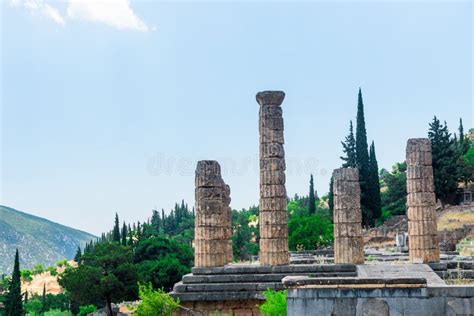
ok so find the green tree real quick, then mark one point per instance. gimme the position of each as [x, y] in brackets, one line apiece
[394, 193]
[312, 199]
[349, 149]
[33, 307]
[362, 155]
[124, 234]
[14, 305]
[374, 185]
[78, 255]
[445, 162]
[107, 274]
[155, 302]
[331, 197]
[162, 261]
[43, 300]
[116, 231]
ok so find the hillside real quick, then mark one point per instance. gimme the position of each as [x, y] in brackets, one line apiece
[38, 240]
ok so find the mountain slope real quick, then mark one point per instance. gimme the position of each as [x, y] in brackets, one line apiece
[37, 239]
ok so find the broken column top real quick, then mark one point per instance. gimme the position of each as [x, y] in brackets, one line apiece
[346, 174]
[418, 144]
[270, 97]
[208, 174]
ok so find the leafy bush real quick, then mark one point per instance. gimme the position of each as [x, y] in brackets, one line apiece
[57, 312]
[38, 269]
[275, 303]
[155, 302]
[33, 307]
[52, 271]
[26, 275]
[86, 309]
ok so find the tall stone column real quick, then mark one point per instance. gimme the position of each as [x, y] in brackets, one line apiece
[228, 214]
[421, 201]
[348, 242]
[273, 217]
[211, 233]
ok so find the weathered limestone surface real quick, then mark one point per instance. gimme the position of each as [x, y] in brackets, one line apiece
[273, 199]
[348, 242]
[212, 224]
[422, 229]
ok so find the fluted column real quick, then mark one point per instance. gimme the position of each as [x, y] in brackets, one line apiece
[348, 242]
[211, 233]
[273, 219]
[421, 201]
[228, 214]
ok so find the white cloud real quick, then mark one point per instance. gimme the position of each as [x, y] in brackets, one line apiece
[115, 13]
[40, 7]
[53, 14]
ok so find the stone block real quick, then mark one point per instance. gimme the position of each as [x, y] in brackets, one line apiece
[420, 185]
[270, 191]
[423, 158]
[421, 213]
[272, 164]
[273, 204]
[421, 199]
[419, 228]
[270, 98]
[419, 172]
[347, 229]
[272, 177]
[346, 174]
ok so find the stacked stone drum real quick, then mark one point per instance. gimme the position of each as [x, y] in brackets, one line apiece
[273, 218]
[348, 242]
[212, 223]
[422, 227]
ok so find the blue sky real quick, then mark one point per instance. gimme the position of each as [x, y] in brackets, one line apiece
[107, 108]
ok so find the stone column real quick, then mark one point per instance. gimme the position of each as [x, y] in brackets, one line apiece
[421, 201]
[211, 233]
[228, 214]
[348, 242]
[273, 217]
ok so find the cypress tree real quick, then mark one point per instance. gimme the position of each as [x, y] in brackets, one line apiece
[116, 231]
[445, 159]
[43, 300]
[362, 155]
[349, 148]
[156, 221]
[124, 234]
[312, 199]
[14, 298]
[331, 197]
[78, 255]
[374, 184]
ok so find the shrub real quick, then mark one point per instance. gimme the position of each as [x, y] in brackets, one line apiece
[26, 275]
[57, 312]
[155, 302]
[86, 309]
[275, 303]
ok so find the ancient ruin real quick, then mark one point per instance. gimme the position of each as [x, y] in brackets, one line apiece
[341, 284]
[273, 217]
[422, 230]
[348, 243]
[212, 224]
